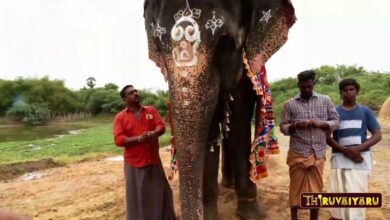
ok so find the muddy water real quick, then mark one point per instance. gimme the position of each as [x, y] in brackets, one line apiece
[27, 133]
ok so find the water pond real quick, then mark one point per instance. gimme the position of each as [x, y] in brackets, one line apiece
[27, 133]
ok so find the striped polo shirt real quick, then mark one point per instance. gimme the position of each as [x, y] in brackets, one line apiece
[353, 131]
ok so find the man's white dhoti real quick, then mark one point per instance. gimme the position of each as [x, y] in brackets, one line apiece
[348, 181]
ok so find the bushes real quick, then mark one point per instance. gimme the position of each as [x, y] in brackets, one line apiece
[373, 99]
[107, 100]
[33, 100]
[42, 96]
[104, 101]
[52, 93]
[158, 100]
[375, 87]
[33, 114]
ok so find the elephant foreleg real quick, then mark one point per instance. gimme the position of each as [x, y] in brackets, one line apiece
[211, 165]
[210, 182]
[238, 145]
[227, 167]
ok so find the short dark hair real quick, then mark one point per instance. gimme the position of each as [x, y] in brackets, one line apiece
[306, 76]
[349, 82]
[122, 93]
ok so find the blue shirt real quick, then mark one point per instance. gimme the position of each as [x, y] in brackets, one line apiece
[353, 131]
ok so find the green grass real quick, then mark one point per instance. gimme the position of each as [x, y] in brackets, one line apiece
[90, 143]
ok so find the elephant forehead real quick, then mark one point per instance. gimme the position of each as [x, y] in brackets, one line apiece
[172, 25]
[187, 39]
[185, 22]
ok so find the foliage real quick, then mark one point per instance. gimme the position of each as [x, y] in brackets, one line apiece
[7, 95]
[57, 99]
[158, 100]
[108, 100]
[104, 101]
[51, 93]
[91, 82]
[375, 87]
[33, 114]
[111, 86]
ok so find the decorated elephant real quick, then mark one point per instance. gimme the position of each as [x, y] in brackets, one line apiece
[212, 53]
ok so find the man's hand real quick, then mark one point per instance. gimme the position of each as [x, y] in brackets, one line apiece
[153, 134]
[352, 154]
[312, 123]
[147, 135]
[143, 137]
[316, 124]
[301, 125]
[356, 151]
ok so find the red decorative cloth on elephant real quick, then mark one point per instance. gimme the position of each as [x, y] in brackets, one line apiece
[265, 141]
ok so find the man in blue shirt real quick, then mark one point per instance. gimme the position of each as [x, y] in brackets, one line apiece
[351, 156]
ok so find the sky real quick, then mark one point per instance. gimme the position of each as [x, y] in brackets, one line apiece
[72, 40]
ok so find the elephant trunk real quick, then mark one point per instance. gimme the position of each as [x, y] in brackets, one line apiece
[193, 105]
[190, 142]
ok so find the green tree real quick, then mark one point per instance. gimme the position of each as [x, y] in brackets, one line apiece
[33, 114]
[51, 93]
[91, 82]
[7, 95]
[158, 100]
[111, 86]
[104, 101]
[375, 87]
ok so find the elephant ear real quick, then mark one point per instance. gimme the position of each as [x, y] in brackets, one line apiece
[150, 27]
[268, 30]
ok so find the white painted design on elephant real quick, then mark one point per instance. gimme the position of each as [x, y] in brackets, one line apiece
[214, 23]
[266, 16]
[186, 37]
[158, 31]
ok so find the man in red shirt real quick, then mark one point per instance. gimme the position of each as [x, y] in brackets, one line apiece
[136, 129]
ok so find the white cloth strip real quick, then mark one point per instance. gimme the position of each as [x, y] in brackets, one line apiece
[339, 161]
[351, 140]
[350, 124]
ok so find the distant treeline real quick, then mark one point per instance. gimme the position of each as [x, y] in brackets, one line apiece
[35, 101]
[375, 86]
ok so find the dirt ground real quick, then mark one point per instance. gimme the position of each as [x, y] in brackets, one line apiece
[95, 189]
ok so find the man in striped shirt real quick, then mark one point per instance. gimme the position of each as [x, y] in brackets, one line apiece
[351, 156]
[306, 118]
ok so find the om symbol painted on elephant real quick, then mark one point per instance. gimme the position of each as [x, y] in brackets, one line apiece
[186, 37]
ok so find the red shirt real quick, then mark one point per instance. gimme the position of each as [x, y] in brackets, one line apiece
[127, 125]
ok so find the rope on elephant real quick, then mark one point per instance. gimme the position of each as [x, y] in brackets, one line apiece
[265, 141]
